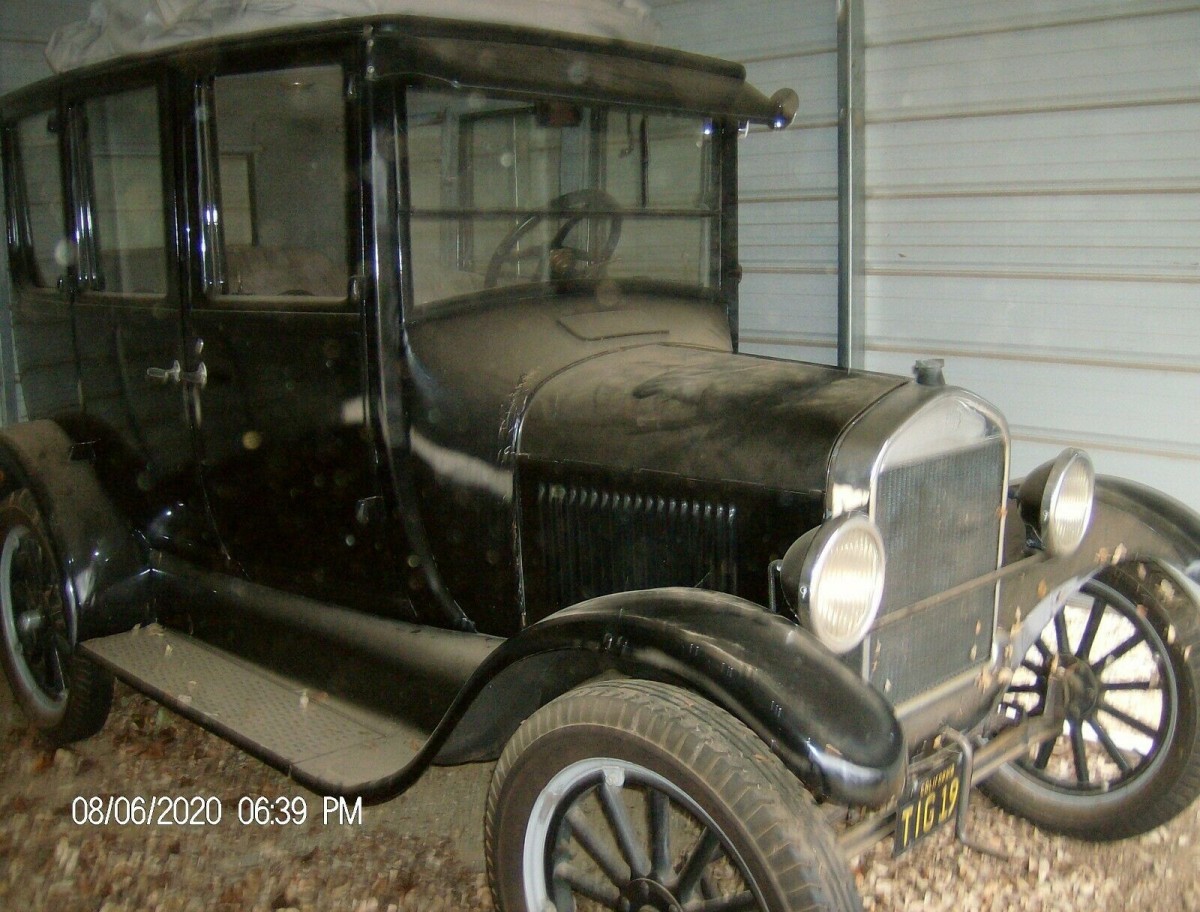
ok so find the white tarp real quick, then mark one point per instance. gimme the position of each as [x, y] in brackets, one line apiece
[118, 27]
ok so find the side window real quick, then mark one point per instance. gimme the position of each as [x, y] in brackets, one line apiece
[41, 196]
[275, 207]
[124, 156]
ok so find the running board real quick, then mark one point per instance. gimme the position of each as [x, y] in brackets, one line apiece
[325, 743]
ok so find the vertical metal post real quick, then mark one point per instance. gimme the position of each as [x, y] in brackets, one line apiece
[9, 403]
[851, 185]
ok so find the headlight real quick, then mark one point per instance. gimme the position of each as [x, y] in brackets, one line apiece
[835, 573]
[1056, 499]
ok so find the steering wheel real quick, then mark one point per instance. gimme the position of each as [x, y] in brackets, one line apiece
[564, 262]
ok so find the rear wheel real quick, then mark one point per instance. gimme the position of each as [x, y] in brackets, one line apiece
[66, 697]
[640, 797]
[1128, 758]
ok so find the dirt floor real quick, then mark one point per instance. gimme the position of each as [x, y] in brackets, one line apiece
[423, 851]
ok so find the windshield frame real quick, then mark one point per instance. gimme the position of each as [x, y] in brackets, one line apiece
[700, 245]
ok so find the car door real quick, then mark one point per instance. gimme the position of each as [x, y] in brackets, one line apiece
[288, 457]
[127, 309]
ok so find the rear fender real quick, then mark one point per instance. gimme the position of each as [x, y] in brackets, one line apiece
[104, 562]
[838, 735]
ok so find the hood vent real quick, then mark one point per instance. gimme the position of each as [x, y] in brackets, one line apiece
[598, 542]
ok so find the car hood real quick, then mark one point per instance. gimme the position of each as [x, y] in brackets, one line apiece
[697, 413]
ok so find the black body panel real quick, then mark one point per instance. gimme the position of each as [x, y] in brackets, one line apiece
[668, 465]
[712, 416]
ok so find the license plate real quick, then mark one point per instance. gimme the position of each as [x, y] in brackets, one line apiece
[933, 800]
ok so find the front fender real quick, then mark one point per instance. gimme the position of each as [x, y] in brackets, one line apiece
[837, 734]
[1161, 527]
[1130, 522]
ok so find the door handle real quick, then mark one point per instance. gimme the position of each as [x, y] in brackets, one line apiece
[198, 377]
[176, 374]
[164, 375]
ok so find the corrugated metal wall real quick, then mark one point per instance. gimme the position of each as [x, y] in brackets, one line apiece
[1033, 208]
[789, 180]
[789, 189]
[25, 26]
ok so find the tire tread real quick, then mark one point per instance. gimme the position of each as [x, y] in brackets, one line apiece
[89, 687]
[1176, 783]
[778, 815]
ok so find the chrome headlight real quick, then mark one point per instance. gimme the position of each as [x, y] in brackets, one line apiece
[836, 574]
[1056, 499]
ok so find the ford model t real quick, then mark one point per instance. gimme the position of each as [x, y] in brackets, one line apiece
[385, 409]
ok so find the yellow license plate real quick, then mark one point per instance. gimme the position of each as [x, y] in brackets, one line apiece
[933, 800]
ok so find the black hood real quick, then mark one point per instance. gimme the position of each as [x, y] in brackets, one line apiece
[698, 413]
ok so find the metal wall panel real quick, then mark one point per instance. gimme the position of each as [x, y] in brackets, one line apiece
[1098, 63]
[789, 179]
[25, 27]
[1033, 216]
[1033, 213]
[895, 21]
[748, 30]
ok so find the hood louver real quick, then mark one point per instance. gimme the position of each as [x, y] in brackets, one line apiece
[597, 542]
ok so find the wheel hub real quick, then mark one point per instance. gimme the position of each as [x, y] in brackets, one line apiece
[644, 894]
[1082, 688]
[29, 625]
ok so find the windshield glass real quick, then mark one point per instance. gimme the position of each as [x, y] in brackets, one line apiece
[508, 192]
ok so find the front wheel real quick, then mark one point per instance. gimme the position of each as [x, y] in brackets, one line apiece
[66, 697]
[1127, 760]
[634, 795]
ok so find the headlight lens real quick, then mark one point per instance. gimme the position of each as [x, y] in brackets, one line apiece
[1067, 502]
[1057, 499]
[841, 584]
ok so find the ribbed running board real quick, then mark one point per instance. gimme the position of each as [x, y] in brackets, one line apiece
[320, 740]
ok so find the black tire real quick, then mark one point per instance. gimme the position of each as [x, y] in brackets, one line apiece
[64, 696]
[624, 777]
[1129, 757]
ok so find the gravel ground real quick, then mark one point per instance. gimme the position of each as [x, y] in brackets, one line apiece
[422, 851]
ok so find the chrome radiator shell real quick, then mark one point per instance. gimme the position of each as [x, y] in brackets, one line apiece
[930, 467]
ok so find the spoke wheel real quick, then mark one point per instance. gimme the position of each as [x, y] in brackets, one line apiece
[637, 797]
[66, 697]
[35, 632]
[624, 837]
[1127, 758]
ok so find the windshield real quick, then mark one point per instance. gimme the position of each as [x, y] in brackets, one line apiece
[508, 192]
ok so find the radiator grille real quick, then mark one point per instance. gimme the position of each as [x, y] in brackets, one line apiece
[598, 542]
[940, 522]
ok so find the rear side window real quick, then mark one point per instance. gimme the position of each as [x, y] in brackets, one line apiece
[276, 212]
[42, 197]
[125, 160]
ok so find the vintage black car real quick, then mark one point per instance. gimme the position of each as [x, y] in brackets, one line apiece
[385, 409]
